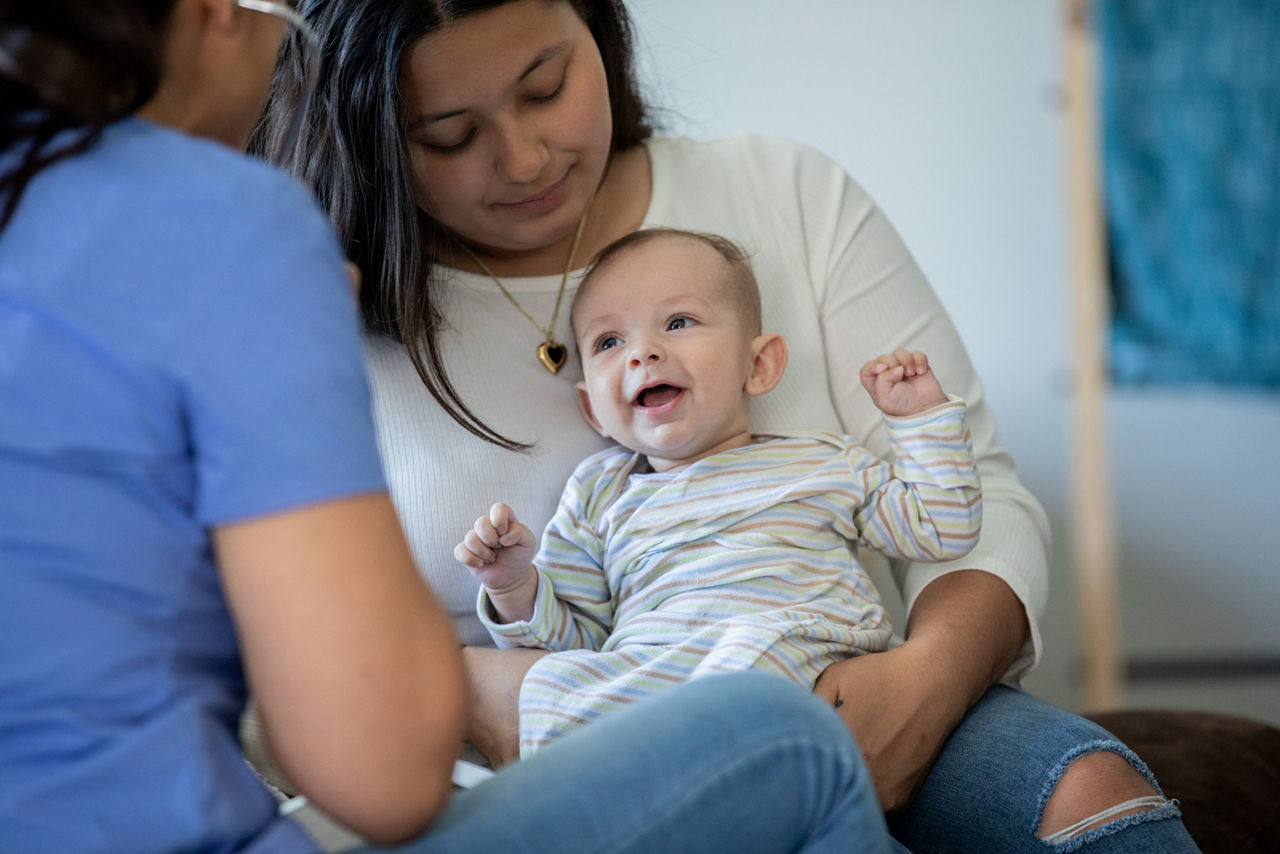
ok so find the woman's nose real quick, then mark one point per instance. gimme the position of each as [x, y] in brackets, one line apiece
[522, 153]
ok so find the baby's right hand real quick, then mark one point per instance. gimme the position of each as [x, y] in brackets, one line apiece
[498, 550]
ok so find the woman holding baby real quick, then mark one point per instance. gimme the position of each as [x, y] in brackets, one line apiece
[474, 156]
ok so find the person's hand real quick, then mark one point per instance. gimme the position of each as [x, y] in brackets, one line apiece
[964, 630]
[495, 677]
[499, 551]
[901, 708]
[900, 383]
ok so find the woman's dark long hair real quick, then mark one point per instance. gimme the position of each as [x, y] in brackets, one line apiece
[68, 65]
[352, 154]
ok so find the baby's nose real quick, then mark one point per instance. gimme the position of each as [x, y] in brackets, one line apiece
[643, 355]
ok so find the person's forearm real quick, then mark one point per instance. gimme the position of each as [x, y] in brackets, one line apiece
[369, 728]
[973, 621]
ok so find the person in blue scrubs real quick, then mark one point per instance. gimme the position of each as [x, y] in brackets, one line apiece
[192, 509]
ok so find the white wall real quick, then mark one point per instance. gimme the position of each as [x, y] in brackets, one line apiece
[948, 113]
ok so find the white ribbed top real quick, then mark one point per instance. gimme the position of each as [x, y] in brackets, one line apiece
[836, 282]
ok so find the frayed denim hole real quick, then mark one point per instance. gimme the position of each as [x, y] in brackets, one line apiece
[1097, 746]
[1168, 810]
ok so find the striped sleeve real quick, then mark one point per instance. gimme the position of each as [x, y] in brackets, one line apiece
[927, 504]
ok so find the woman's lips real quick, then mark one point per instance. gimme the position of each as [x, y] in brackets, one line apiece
[542, 202]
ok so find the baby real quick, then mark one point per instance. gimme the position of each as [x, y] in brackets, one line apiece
[696, 546]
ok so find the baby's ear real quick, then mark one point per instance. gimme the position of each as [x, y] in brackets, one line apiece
[584, 404]
[768, 362]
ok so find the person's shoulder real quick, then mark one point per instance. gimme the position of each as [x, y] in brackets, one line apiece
[233, 230]
[165, 167]
[791, 174]
[215, 202]
[763, 150]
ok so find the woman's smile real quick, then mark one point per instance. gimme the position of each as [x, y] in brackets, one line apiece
[541, 202]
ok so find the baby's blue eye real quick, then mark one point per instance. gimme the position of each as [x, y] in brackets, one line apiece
[679, 323]
[608, 342]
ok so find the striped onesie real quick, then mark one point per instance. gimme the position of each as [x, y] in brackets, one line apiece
[743, 560]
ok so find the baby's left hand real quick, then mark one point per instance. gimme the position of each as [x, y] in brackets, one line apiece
[900, 383]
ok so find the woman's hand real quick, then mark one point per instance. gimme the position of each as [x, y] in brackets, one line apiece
[495, 676]
[964, 631]
[900, 707]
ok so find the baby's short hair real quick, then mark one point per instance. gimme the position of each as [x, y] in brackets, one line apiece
[745, 291]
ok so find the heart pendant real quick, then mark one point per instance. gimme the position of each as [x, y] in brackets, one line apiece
[552, 355]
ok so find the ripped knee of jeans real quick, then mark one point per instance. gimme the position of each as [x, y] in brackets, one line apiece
[1100, 797]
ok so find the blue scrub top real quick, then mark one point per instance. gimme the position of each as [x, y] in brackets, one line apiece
[178, 349]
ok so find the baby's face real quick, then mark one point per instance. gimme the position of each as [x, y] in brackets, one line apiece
[665, 351]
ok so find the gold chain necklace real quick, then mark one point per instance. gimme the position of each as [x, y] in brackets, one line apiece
[551, 353]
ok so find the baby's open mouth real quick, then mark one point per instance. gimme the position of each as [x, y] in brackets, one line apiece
[656, 395]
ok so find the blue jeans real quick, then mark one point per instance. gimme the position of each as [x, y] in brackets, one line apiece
[994, 775]
[737, 763]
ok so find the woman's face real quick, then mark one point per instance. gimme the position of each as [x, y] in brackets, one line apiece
[507, 124]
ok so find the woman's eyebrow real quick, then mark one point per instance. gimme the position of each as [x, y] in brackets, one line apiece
[541, 58]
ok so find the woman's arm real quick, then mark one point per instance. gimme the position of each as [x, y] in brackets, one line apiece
[353, 664]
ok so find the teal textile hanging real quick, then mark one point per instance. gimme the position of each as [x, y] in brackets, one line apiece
[1190, 100]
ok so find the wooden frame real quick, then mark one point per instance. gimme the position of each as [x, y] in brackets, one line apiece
[1093, 537]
